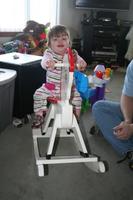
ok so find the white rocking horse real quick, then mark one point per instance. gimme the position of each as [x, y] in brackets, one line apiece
[61, 113]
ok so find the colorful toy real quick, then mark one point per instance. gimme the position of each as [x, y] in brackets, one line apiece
[33, 40]
[92, 88]
[85, 105]
[100, 78]
[83, 87]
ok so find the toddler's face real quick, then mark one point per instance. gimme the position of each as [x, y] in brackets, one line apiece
[60, 43]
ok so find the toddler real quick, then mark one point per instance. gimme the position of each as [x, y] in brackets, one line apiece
[58, 43]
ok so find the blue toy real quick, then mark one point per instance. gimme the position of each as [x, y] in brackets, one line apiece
[82, 85]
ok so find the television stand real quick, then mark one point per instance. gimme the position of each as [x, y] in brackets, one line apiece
[104, 39]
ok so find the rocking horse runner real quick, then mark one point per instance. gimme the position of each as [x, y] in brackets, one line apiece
[61, 112]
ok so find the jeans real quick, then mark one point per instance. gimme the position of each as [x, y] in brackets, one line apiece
[107, 115]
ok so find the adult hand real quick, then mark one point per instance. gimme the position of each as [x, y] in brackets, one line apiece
[124, 130]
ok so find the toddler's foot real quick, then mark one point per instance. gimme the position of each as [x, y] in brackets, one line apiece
[38, 121]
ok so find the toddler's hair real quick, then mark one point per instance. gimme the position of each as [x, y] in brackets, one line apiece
[56, 30]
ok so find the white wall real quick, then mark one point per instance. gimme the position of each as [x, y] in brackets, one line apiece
[71, 17]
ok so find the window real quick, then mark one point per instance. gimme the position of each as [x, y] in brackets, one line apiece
[14, 14]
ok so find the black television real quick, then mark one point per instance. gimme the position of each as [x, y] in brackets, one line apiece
[122, 5]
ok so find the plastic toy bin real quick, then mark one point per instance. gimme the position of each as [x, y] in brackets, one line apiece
[7, 84]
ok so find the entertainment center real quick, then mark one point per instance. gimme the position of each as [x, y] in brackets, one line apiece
[103, 34]
[104, 39]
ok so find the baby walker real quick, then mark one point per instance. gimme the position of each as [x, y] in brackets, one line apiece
[64, 125]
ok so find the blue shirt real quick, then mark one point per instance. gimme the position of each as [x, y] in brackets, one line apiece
[128, 82]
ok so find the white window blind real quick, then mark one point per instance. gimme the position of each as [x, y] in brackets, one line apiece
[15, 13]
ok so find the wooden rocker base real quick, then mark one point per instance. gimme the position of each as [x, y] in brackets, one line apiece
[52, 131]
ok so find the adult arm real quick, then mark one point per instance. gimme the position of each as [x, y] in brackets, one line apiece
[125, 129]
[127, 108]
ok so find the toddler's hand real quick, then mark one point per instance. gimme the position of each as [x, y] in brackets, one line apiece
[81, 66]
[50, 64]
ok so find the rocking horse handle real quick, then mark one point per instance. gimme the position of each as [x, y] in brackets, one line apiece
[71, 59]
[69, 63]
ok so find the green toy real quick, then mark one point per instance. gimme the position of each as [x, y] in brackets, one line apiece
[85, 105]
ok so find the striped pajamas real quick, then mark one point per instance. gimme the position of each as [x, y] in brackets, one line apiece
[53, 78]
